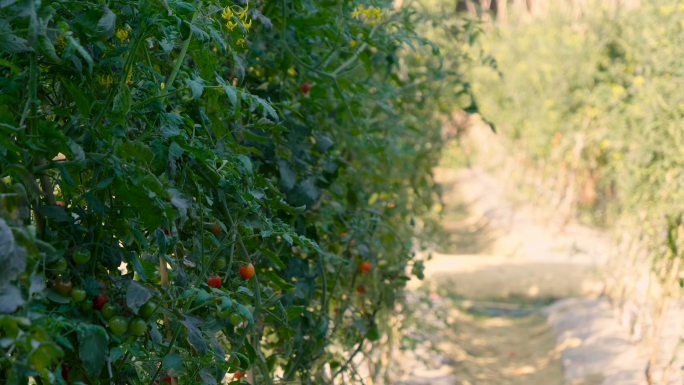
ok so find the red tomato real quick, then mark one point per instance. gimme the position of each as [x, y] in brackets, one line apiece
[65, 372]
[365, 266]
[246, 271]
[239, 374]
[214, 281]
[167, 232]
[351, 244]
[215, 228]
[360, 289]
[99, 301]
[305, 88]
[60, 203]
[167, 379]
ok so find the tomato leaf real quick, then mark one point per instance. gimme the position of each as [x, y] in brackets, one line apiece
[92, 348]
[136, 295]
[274, 258]
[278, 281]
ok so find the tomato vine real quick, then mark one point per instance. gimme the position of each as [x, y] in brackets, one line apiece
[190, 189]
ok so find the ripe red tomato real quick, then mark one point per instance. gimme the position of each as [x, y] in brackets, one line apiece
[99, 301]
[351, 244]
[62, 286]
[360, 289]
[305, 88]
[60, 203]
[214, 281]
[167, 232]
[246, 271]
[167, 379]
[215, 228]
[239, 374]
[65, 372]
[365, 266]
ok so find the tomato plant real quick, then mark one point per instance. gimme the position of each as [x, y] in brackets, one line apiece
[178, 133]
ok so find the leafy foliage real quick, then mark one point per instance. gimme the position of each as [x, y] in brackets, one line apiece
[159, 137]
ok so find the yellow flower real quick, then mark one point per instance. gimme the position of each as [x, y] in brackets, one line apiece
[355, 14]
[122, 34]
[617, 89]
[639, 80]
[604, 144]
[680, 6]
[377, 13]
[231, 24]
[367, 13]
[352, 43]
[161, 86]
[292, 71]
[240, 42]
[247, 25]
[130, 75]
[227, 13]
[666, 10]
[372, 22]
[243, 14]
[418, 57]
[105, 80]
[60, 41]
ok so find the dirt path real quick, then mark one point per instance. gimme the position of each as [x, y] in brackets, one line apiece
[523, 306]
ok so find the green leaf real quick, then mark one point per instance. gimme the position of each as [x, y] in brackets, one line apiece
[245, 313]
[10, 299]
[115, 353]
[82, 101]
[196, 87]
[44, 356]
[65, 175]
[92, 348]
[91, 286]
[136, 295]
[107, 24]
[122, 101]
[194, 334]
[56, 213]
[28, 178]
[137, 266]
[84, 54]
[14, 44]
[294, 312]
[173, 363]
[93, 203]
[254, 137]
[45, 47]
[274, 258]
[278, 281]
[373, 333]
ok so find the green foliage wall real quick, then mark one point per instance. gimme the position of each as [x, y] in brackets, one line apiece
[152, 151]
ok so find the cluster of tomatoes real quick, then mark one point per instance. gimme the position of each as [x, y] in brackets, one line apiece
[109, 311]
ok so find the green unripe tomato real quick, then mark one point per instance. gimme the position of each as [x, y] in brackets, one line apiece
[147, 309]
[86, 305]
[109, 310]
[219, 263]
[235, 319]
[222, 313]
[121, 224]
[137, 326]
[118, 325]
[59, 266]
[78, 294]
[81, 256]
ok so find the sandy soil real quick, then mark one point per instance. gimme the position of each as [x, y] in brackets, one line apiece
[524, 305]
